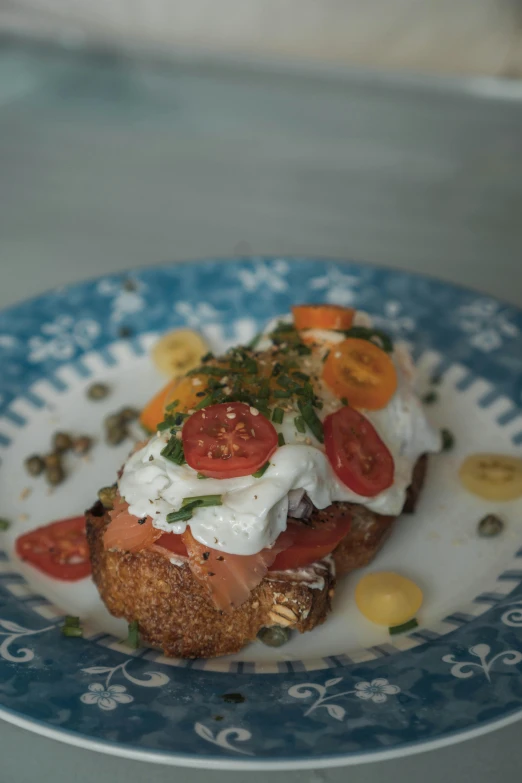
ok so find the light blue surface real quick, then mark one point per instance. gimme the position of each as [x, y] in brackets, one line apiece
[456, 682]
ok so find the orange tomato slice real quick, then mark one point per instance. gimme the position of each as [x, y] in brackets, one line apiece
[322, 316]
[185, 390]
[362, 372]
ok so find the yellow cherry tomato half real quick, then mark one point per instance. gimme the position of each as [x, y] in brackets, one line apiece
[387, 598]
[178, 352]
[492, 476]
[362, 372]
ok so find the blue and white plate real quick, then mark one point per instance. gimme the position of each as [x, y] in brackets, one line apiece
[344, 693]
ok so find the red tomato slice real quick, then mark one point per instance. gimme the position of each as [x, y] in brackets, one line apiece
[227, 440]
[310, 544]
[356, 453]
[59, 550]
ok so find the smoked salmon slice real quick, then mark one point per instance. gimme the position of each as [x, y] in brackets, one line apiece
[127, 532]
[230, 579]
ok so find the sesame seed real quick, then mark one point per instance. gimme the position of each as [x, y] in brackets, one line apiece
[178, 435]
[231, 415]
[254, 411]
[197, 382]
[338, 354]
[229, 408]
[191, 411]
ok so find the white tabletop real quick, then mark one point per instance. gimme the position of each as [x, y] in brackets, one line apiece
[108, 164]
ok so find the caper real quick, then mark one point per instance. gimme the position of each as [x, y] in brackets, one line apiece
[53, 460]
[55, 474]
[107, 495]
[82, 444]
[129, 414]
[113, 421]
[98, 391]
[34, 465]
[448, 439]
[116, 435]
[274, 636]
[62, 441]
[490, 526]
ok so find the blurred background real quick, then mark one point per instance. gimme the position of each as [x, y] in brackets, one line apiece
[444, 36]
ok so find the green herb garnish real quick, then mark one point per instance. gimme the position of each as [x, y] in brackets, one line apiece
[189, 505]
[281, 439]
[72, 631]
[344, 400]
[261, 471]
[203, 500]
[363, 333]
[133, 636]
[170, 407]
[299, 424]
[173, 451]
[166, 424]
[207, 357]
[4, 524]
[201, 476]
[281, 395]
[311, 419]
[72, 627]
[409, 626]
[301, 376]
[278, 415]
[448, 439]
[208, 400]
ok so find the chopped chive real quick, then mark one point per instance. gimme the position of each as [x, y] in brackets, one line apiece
[183, 515]
[285, 380]
[325, 357]
[448, 439]
[172, 405]
[344, 400]
[302, 376]
[173, 451]
[250, 366]
[255, 340]
[430, 398]
[219, 371]
[409, 626]
[207, 357]
[303, 350]
[311, 419]
[203, 500]
[299, 424]
[133, 637]
[166, 424]
[280, 394]
[278, 415]
[281, 439]
[4, 524]
[71, 621]
[72, 631]
[261, 470]
[201, 476]
[276, 369]
[363, 333]
[204, 402]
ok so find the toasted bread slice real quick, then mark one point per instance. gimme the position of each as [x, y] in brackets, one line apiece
[175, 613]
